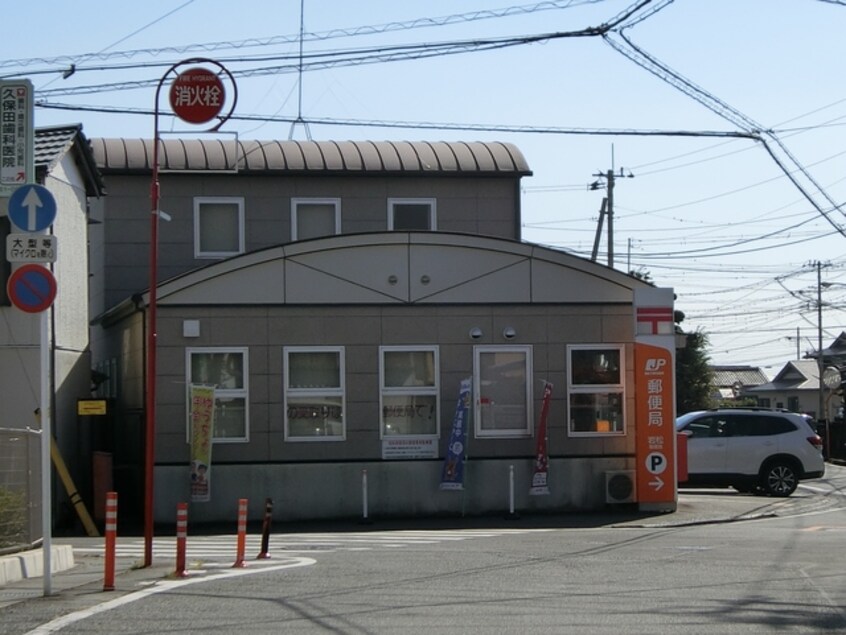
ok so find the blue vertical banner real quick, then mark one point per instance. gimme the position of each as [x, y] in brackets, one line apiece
[452, 477]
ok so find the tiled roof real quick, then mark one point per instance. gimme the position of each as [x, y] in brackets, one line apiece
[415, 157]
[52, 143]
[727, 376]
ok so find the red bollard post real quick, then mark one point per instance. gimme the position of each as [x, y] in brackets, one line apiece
[181, 538]
[111, 534]
[265, 529]
[242, 532]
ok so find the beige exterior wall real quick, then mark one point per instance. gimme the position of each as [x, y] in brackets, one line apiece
[480, 206]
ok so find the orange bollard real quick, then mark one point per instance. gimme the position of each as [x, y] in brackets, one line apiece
[181, 538]
[242, 532]
[265, 529]
[111, 535]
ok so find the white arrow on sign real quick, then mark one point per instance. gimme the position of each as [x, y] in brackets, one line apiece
[32, 202]
[657, 484]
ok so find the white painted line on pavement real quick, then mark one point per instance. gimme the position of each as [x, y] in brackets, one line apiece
[159, 587]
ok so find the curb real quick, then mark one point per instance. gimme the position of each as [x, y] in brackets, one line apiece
[30, 564]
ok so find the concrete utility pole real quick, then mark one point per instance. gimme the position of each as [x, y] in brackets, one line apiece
[607, 205]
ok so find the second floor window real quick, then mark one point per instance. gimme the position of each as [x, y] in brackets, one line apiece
[412, 214]
[315, 217]
[218, 227]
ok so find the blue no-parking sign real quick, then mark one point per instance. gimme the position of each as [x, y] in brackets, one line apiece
[32, 208]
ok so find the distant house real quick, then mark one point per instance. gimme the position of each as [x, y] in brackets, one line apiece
[731, 382]
[795, 387]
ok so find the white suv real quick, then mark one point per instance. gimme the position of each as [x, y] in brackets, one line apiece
[751, 449]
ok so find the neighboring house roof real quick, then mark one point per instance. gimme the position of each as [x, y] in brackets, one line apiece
[397, 157]
[728, 376]
[52, 143]
[836, 349]
[796, 375]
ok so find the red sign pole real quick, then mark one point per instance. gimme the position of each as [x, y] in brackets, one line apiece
[195, 106]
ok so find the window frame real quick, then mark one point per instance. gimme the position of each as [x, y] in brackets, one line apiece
[304, 201]
[597, 389]
[220, 393]
[509, 433]
[425, 391]
[199, 201]
[433, 211]
[341, 391]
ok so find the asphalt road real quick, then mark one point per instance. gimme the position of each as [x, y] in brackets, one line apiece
[737, 564]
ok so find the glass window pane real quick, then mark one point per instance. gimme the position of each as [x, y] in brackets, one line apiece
[318, 369]
[315, 220]
[595, 366]
[409, 368]
[230, 418]
[315, 416]
[411, 216]
[219, 228]
[222, 370]
[596, 412]
[409, 414]
[503, 390]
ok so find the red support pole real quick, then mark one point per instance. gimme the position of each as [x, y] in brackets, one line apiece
[111, 534]
[265, 529]
[242, 532]
[181, 538]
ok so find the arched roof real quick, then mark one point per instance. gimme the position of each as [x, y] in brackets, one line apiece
[220, 155]
[402, 268]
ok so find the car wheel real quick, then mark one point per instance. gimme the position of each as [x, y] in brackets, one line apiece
[779, 479]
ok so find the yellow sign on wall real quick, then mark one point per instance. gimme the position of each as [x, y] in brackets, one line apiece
[91, 407]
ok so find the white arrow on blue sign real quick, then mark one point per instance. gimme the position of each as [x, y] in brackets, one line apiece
[32, 208]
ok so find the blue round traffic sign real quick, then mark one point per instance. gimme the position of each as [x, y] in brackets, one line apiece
[32, 288]
[32, 208]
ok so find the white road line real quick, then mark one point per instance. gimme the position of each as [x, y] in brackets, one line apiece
[159, 587]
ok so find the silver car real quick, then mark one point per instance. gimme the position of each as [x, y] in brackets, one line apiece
[753, 450]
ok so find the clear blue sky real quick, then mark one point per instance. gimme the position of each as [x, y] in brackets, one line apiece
[715, 218]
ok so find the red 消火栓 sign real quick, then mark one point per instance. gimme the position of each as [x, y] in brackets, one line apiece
[197, 95]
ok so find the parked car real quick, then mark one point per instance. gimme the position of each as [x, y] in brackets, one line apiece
[751, 449]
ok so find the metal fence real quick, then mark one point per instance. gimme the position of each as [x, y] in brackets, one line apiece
[20, 486]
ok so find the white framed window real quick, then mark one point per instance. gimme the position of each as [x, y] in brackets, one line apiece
[314, 399]
[502, 377]
[595, 389]
[409, 399]
[218, 226]
[227, 369]
[315, 217]
[412, 214]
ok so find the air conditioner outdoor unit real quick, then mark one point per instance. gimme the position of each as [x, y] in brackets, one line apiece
[620, 486]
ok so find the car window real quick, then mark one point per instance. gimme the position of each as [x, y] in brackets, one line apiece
[778, 425]
[709, 426]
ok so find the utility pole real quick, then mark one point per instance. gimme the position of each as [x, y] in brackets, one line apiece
[607, 205]
[820, 365]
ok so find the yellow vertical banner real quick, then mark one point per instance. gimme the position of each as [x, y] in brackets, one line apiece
[202, 431]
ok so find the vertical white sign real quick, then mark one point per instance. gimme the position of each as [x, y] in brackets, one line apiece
[17, 135]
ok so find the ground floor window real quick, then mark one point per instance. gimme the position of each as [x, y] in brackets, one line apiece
[503, 389]
[409, 391]
[314, 393]
[227, 370]
[595, 389]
